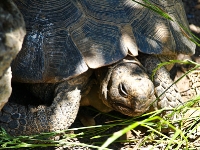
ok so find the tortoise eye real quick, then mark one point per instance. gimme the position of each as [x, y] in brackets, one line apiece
[123, 90]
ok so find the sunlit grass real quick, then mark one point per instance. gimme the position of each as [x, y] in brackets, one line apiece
[154, 123]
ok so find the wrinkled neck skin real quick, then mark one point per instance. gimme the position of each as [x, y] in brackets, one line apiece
[127, 88]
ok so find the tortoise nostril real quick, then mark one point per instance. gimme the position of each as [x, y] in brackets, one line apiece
[123, 90]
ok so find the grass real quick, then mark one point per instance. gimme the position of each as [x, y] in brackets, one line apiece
[153, 123]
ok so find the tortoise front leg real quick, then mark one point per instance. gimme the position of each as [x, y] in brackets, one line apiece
[167, 98]
[18, 119]
[59, 114]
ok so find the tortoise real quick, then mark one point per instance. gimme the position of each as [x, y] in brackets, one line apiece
[12, 32]
[67, 40]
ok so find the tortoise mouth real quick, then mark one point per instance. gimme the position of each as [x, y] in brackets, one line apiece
[130, 110]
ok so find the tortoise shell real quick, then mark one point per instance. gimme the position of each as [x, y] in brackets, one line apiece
[66, 37]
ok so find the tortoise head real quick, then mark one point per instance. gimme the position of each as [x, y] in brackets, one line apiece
[127, 88]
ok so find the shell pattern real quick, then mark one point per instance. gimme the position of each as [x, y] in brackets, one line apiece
[66, 37]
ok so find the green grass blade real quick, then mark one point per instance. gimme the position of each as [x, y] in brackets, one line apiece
[116, 135]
